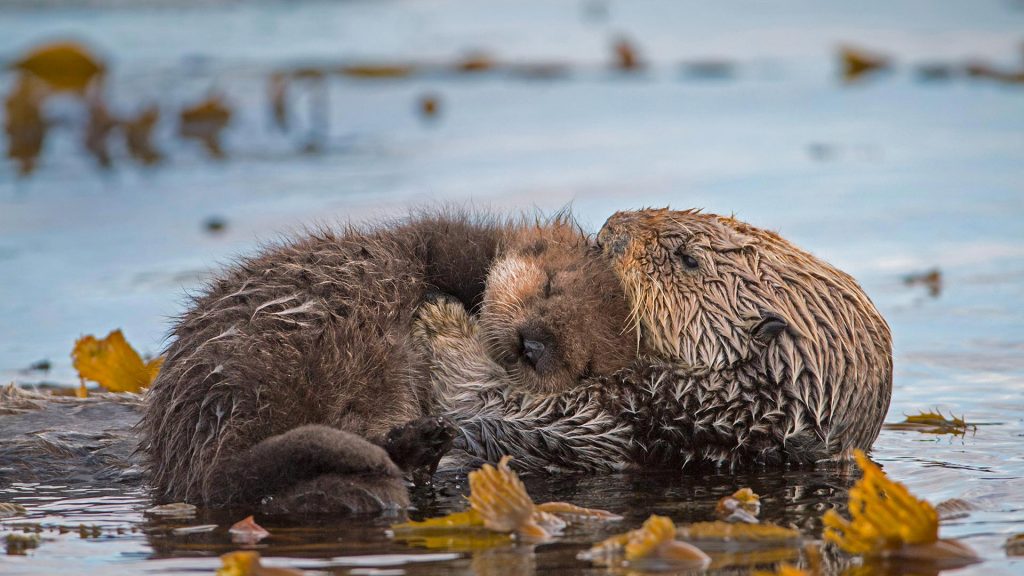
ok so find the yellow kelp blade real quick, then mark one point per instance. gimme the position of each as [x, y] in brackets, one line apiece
[573, 512]
[66, 66]
[932, 423]
[247, 563]
[500, 497]
[652, 543]
[461, 531]
[737, 533]
[741, 506]
[113, 363]
[468, 520]
[499, 504]
[887, 520]
[784, 570]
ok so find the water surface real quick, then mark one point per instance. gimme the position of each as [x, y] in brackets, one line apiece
[886, 178]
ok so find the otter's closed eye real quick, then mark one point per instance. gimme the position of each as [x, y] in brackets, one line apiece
[687, 260]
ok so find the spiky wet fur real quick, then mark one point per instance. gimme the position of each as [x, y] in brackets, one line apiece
[286, 375]
[761, 354]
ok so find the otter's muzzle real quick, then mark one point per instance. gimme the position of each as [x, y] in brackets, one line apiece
[534, 348]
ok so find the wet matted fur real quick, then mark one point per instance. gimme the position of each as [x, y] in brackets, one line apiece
[753, 352]
[292, 375]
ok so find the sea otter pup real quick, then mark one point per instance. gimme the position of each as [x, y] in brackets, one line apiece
[294, 381]
[753, 352]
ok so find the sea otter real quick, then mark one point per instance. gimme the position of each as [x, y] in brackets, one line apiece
[751, 352]
[294, 381]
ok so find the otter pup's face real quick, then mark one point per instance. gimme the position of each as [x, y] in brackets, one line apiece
[554, 312]
[697, 283]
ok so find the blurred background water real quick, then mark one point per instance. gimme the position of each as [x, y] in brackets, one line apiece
[740, 108]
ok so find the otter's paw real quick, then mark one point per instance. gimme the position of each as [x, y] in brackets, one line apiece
[443, 318]
[418, 446]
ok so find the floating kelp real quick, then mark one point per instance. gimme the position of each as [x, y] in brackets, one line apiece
[729, 532]
[8, 509]
[930, 279]
[625, 56]
[855, 63]
[475, 62]
[989, 72]
[653, 545]
[1015, 545]
[63, 66]
[204, 122]
[197, 529]
[138, 135]
[741, 506]
[429, 105]
[247, 531]
[247, 563]
[889, 522]
[784, 570]
[499, 504]
[378, 70]
[98, 128]
[932, 423]
[24, 124]
[741, 544]
[175, 510]
[113, 363]
[18, 544]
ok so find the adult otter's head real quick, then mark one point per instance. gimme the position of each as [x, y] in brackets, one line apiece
[554, 311]
[711, 291]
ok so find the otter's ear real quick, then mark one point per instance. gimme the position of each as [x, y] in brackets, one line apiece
[768, 327]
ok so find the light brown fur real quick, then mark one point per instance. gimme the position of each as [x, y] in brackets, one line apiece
[792, 322]
[751, 352]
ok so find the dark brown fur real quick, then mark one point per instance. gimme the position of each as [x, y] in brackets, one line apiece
[312, 333]
[294, 379]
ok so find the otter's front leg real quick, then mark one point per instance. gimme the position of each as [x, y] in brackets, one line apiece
[568, 430]
[311, 456]
[418, 446]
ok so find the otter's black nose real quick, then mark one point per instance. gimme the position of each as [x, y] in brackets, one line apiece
[532, 351]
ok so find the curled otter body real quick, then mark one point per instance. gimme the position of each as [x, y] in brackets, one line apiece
[308, 340]
[295, 381]
[787, 357]
[752, 351]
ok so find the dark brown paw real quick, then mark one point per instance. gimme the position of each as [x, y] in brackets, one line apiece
[418, 446]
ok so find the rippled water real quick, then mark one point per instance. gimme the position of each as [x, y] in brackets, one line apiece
[890, 177]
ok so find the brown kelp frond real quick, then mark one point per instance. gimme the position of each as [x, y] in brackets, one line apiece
[654, 542]
[113, 363]
[933, 423]
[721, 531]
[887, 520]
[498, 503]
[741, 506]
